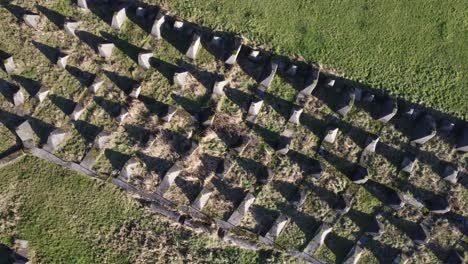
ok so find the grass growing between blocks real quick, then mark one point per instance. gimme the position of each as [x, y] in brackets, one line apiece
[70, 218]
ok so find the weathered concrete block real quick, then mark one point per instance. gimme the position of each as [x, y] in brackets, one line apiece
[31, 20]
[194, 47]
[450, 174]
[119, 18]
[171, 111]
[424, 130]
[407, 165]
[375, 228]
[18, 98]
[231, 60]
[295, 115]
[346, 103]
[331, 135]
[388, 110]
[123, 114]
[42, 94]
[77, 112]
[178, 25]
[180, 78]
[218, 88]
[254, 55]
[70, 27]
[55, 139]
[284, 141]
[140, 12]
[83, 4]
[236, 217]
[318, 239]
[311, 81]
[269, 75]
[202, 198]
[9, 65]
[156, 30]
[97, 83]
[136, 90]
[62, 60]
[371, 144]
[102, 139]
[359, 175]
[354, 254]
[105, 49]
[254, 109]
[169, 178]
[25, 132]
[131, 168]
[292, 70]
[278, 226]
[144, 59]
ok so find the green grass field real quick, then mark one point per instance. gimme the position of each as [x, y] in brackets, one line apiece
[413, 49]
[69, 218]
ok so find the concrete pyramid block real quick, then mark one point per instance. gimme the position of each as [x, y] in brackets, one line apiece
[83, 4]
[119, 18]
[156, 30]
[171, 111]
[42, 94]
[218, 88]
[346, 103]
[371, 144]
[236, 217]
[318, 239]
[96, 85]
[77, 112]
[18, 98]
[354, 255]
[202, 198]
[194, 47]
[32, 20]
[254, 56]
[25, 132]
[9, 65]
[131, 168]
[70, 27]
[424, 130]
[292, 70]
[169, 178]
[407, 165]
[136, 90]
[311, 81]
[102, 139]
[255, 107]
[122, 115]
[296, 115]
[359, 175]
[331, 135]
[144, 59]
[180, 78]
[105, 49]
[388, 110]
[55, 139]
[178, 25]
[278, 226]
[450, 174]
[269, 75]
[62, 60]
[231, 60]
[284, 141]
